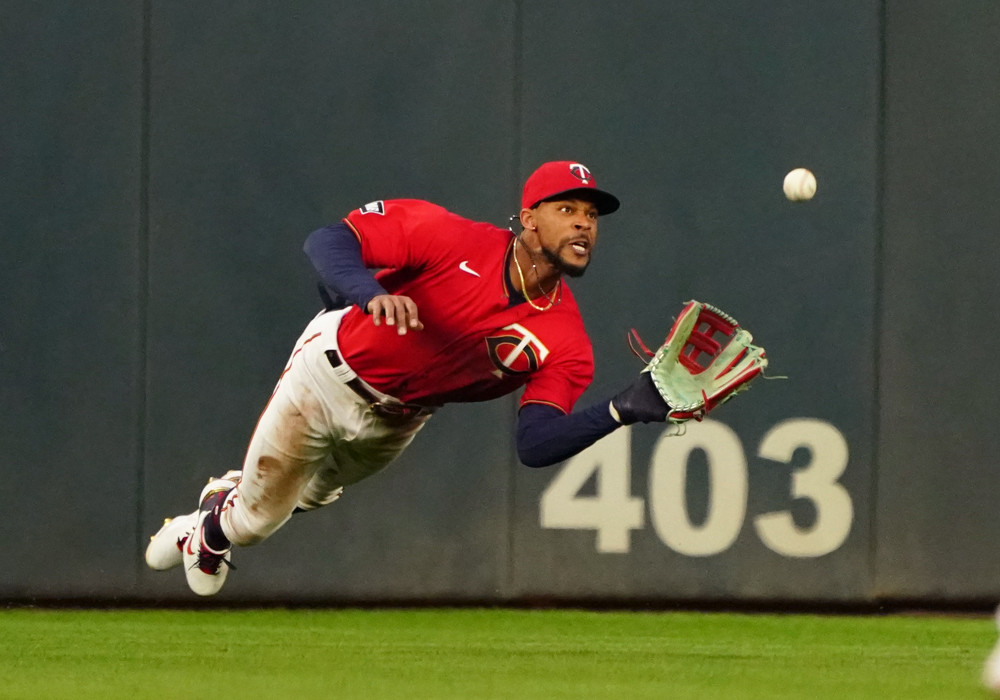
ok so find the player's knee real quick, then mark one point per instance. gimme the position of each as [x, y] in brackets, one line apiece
[312, 501]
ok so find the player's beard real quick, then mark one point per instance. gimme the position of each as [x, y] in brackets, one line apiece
[561, 265]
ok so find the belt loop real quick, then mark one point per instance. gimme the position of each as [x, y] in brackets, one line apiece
[344, 373]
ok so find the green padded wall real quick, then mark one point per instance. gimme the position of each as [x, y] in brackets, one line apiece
[71, 284]
[937, 488]
[163, 163]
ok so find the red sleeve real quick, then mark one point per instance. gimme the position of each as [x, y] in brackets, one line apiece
[399, 233]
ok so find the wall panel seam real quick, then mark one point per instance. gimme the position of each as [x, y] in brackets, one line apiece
[142, 287]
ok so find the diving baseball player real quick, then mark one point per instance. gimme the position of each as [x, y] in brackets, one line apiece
[460, 311]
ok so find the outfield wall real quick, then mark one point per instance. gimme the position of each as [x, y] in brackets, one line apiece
[164, 162]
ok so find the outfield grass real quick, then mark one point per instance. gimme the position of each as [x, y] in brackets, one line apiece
[299, 654]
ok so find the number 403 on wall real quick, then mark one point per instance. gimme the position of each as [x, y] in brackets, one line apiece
[614, 512]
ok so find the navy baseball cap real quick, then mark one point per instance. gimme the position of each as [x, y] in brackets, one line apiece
[566, 177]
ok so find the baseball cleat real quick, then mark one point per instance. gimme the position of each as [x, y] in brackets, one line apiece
[206, 568]
[232, 477]
[165, 549]
[990, 677]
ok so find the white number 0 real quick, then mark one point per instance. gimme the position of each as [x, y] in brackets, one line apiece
[613, 512]
[727, 503]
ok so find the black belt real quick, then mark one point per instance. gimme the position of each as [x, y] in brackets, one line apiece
[382, 409]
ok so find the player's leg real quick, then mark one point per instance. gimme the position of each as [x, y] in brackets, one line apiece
[290, 442]
[288, 447]
[315, 424]
[351, 460]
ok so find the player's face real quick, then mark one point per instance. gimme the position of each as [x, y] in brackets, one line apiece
[567, 233]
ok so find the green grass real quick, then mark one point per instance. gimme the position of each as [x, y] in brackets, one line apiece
[300, 654]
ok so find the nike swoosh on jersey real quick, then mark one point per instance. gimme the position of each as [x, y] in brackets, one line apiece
[464, 267]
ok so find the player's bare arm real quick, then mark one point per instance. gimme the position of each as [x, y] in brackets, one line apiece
[396, 310]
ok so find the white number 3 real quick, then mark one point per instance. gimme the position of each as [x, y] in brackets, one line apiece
[817, 482]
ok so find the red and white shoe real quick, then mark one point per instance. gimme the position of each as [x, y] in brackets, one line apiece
[166, 548]
[206, 568]
[991, 668]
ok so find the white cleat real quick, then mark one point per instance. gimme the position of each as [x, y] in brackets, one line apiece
[206, 568]
[991, 669]
[226, 482]
[165, 549]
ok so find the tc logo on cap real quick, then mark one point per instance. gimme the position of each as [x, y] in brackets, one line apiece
[580, 171]
[569, 178]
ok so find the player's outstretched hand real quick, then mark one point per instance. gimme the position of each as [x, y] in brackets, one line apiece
[640, 403]
[397, 311]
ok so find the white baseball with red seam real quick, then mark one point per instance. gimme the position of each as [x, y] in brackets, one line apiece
[800, 185]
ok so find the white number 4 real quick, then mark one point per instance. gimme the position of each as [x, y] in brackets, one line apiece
[611, 511]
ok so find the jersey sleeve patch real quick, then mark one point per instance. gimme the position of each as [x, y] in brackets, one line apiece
[376, 207]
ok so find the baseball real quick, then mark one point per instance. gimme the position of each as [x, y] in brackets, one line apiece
[800, 185]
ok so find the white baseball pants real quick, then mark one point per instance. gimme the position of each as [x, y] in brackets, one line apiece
[314, 437]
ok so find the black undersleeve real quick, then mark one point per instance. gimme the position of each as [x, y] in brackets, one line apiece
[546, 435]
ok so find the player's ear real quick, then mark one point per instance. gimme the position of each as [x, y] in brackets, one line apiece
[528, 219]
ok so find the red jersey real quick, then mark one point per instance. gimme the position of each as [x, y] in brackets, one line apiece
[474, 346]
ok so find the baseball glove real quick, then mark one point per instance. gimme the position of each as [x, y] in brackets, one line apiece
[706, 360]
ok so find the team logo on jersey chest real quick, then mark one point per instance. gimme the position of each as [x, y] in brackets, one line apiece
[516, 350]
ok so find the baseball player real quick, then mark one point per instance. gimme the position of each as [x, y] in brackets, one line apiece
[459, 311]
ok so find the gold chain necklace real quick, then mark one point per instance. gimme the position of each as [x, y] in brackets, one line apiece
[524, 287]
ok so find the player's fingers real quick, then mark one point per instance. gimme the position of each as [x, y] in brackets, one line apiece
[379, 307]
[399, 311]
[412, 314]
[400, 314]
[402, 309]
[394, 312]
